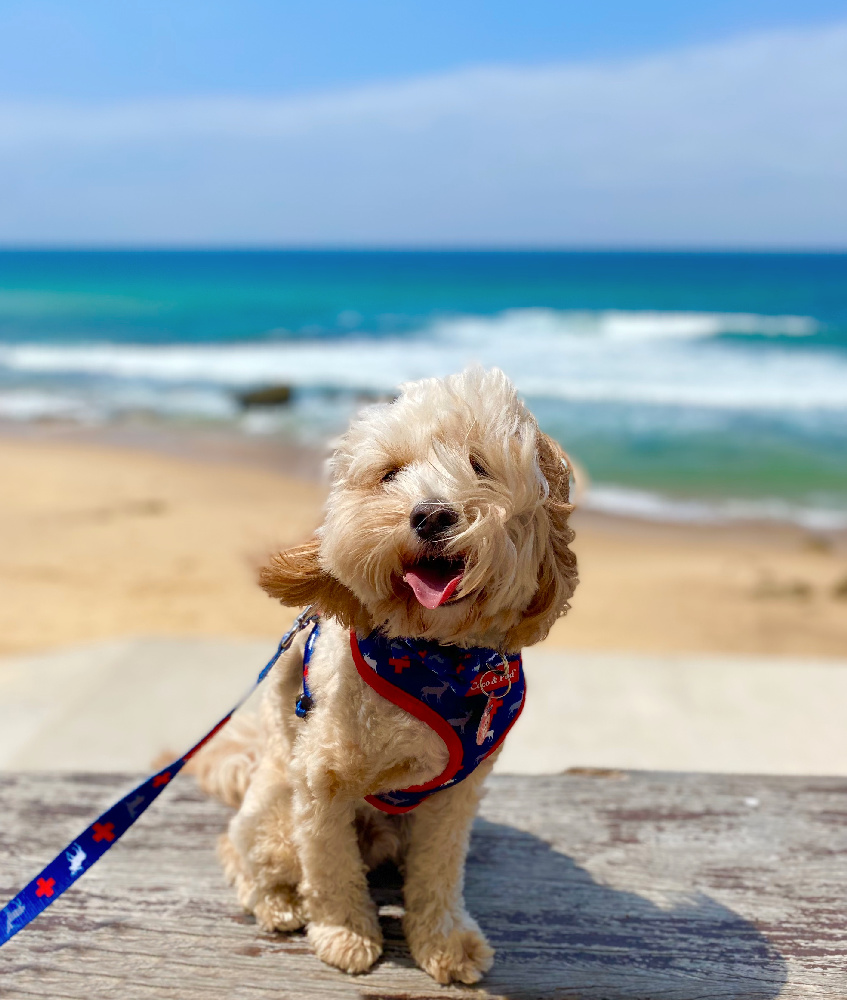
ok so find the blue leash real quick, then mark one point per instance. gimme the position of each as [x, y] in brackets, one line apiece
[95, 840]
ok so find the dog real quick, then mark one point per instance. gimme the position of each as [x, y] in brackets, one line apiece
[445, 549]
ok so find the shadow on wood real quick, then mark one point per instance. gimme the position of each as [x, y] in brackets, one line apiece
[559, 933]
[556, 930]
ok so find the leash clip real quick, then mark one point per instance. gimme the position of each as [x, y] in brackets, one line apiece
[306, 617]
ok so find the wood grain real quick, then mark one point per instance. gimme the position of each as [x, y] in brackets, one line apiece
[593, 885]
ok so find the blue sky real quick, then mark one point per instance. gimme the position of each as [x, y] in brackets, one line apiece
[405, 123]
[97, 50]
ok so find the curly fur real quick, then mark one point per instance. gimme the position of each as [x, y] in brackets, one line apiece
[300, 845]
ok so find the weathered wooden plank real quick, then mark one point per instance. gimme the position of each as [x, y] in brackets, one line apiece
[599, 886]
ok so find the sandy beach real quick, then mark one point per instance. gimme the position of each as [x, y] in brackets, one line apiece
[163, 537]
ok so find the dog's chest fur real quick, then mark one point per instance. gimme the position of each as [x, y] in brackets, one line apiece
[354, 737]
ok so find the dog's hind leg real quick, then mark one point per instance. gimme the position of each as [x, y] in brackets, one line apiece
[444, 939]
[225, 766]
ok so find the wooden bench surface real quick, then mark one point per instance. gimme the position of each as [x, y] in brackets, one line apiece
[597, 886]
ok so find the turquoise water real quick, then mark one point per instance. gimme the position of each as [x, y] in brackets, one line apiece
[695, 386]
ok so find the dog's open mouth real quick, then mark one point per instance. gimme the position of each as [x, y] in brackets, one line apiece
[434, 581]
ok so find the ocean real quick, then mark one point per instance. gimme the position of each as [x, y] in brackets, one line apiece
[690, 386]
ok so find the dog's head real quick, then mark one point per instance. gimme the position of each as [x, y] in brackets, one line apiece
[447, 519]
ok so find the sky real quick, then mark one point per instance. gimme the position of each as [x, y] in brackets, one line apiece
[390, 123]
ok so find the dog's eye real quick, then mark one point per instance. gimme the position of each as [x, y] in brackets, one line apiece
[479, 468]
[389, 475]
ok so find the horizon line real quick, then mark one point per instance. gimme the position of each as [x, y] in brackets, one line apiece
[375, 248]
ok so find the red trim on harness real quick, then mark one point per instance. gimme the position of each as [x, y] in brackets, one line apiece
[413, 706]
[387, 808]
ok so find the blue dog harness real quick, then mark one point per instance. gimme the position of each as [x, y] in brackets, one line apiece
[470, 697]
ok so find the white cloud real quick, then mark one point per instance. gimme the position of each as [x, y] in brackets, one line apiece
[731, 144]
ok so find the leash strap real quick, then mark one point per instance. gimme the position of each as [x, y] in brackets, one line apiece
[110, 826]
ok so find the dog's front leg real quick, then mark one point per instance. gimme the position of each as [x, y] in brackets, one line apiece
[444, 939]
[343, 922]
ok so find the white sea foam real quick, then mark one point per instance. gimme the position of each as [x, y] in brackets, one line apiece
[643, 358]
[643, 505]
[27, 405]
[619, 325]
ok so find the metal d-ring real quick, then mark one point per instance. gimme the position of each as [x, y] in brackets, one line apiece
[505, 673]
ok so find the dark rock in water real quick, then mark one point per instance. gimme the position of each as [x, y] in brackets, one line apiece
[271, 395]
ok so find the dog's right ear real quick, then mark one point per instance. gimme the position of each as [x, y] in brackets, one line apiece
[296, 578]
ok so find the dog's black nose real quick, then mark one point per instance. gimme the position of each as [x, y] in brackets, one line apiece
[432, 518]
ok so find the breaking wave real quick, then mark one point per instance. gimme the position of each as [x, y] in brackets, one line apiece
[682, 359]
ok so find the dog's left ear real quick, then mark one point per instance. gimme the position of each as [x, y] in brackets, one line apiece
[296, 578]
[557, 574]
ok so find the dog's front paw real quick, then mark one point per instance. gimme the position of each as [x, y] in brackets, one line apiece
[463, 955]
[279, 909]
[344, 947]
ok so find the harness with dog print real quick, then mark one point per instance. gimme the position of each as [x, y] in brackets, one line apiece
[470, 697]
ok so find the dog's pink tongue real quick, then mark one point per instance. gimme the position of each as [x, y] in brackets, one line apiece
[432, 586]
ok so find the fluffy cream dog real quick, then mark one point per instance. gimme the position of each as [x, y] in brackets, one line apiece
[447, 522]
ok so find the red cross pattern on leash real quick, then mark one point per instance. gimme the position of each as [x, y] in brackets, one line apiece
[161, 779]
[45, 887]
[103, 831]
[400, 665]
